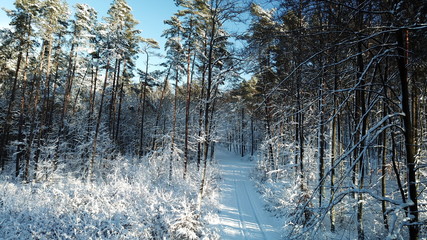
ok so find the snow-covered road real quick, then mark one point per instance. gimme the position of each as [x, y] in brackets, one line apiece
[241, 210]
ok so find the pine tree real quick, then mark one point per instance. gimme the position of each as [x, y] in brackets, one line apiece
[191, 37]
[217, 64]
[22, 21]
[120, 46]
[53, 18]
[176, 58]
[145, 82]
[124, 41]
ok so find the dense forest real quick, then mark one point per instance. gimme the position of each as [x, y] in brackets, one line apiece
[334, 111]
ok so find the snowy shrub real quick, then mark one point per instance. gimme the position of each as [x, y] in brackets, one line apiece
[297, 202]
[187, 225]
[128, 200]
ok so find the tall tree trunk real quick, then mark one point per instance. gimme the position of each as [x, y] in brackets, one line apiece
[334, 154]
[90, 117]
[22, 111]
[396, 169]
[383, 172]
[269, 135]
[199, 144]
[114, 87]
[65, 102]
[300, 133]
[187, 111]
[35, 92]
[8, 122]
[44, 113]
[402, 61]
[321, 140]
[415, 110]
[69, 81]
[119, 113]
[384, 153]
[142, 123]
[98, 124]
[207, 140]
[51, 101]
[22, 114]
[93, 95]
[51, 107]
[300, 114]
[242, 133]
[175, 103]
[212, 123]
[202, 96]
[361, 118]
[252, 136]
[159, 109]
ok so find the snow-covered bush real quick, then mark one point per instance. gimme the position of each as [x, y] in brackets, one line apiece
[187, 225]
[296, 200]
[130, 200]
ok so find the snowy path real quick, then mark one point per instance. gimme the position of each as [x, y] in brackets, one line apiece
[241, 210]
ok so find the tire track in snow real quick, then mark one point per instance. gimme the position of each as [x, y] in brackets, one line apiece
[239, 208]
[241, 215]
[254, 211]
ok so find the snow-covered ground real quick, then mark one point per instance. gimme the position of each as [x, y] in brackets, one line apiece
[242, 214]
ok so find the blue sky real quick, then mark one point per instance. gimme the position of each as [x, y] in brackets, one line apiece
[149, 13]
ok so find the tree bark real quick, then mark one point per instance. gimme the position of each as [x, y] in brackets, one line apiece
[361, 113]
[252, 136]
[119, 113]
[242, 133]
[35, 92]
[8, 122]
[23, 109]
[21, 122]
[142, 123]
[44, 113]
[114, 87]
[321, 142]
[384, 153]
[98, 124]
[402, 61]
[159, 109]
[187, 110]
[206, 140]
[175, 103]
[335, 138]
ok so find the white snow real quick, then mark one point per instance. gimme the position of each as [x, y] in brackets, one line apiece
[242, 214]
